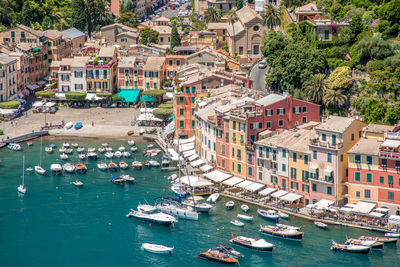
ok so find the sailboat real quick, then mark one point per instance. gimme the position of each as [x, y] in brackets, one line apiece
[21, 188]
[178, 188]
[39, 169]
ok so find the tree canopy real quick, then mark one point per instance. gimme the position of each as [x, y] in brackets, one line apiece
[75, 96]
[212, 14]
[148, 35]
[175, 38]
[45, 94]
[163, 113]
[128, 19]
[155, 93]
[10, 104]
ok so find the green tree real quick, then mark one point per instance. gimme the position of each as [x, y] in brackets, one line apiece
[47, 23]
[79, 16]
[212, 14]
[273, 45]
[334, 98]
[356, 25]
[5, 13]
[128, 19]
[315, 88]
[75, 96]
[373, 48]
[148, 35]
[27, 13]
[163, 113]
[340, 79]
[271, 16]
[175, 38]
[45, 94]
[391, 11]
[232, 18]
[392, 114]
[10, 104]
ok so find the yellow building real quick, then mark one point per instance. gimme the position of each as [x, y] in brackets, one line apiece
[237, 140]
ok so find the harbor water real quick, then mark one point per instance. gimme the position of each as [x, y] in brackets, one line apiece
[58, 224]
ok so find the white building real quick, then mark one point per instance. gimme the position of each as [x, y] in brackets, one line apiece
[78, 74]
[8, 78]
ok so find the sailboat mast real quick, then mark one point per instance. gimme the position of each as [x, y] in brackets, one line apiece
[41, 142]
[23, 170]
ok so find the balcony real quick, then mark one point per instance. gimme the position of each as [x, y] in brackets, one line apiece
[329, 181]
[324, 144]
[389, 154]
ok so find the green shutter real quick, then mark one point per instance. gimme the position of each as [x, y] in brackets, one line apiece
[357, 176]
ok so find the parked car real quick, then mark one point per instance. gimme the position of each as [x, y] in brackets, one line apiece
[262, 64]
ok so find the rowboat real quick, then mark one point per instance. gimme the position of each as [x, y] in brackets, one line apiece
[121, 148]
[102, 166]
[283, 215]
[131, 142]
[109, 155]
[237, 223]
[64, 156]
[252, 243]
[116, 179]
[147, 163]
[69, 125]
[268, 214]
[229, 205]
[350, 248]
[118, 154]
[40, 170]
[154, 163]
[104, 145]
[126, 154]
[112, 166]
[212, 198]
[217, 256]
[48, 149]
[92, 155]
[101, 150]
[123, 165]
[29, 143]
[128, 178]
[282, 232]
[91, 149]
[368, 243]
[244, 208]
[245, 217]
[158, 249]
[68, 167]
[321, 225]
[82, 156]
[109, 149]
[379, 239]
[134, 149]
[61, 150]
[66, 145]
[57, 168]
[68, 151]
[75, 145]
[137, 165]
[77, 183]
[80, 167]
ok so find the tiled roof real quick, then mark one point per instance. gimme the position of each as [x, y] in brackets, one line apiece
[336, 124]
[30, 30]
[126, 62]
[79, 62]
[247, 14]
[73, 33]
[154, 63]
[52, 34]
[294, 140]
[162, 29]
[377, 128]
[162, 19]
[106, 51]
[366, 146]
[269, 99]
[4, 59]
[217, 25]
[309, 8]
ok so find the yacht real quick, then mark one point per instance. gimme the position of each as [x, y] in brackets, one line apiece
[174, 208]
[159, 217]
[197, 203]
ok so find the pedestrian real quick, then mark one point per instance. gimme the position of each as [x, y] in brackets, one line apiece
[12, 124]
[26, 113]
[92, 123]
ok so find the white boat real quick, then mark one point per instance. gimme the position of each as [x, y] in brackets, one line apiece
[104, 145]
[61, 150]
[102, 166]
[252, 243]
[154, 163]
[134, 149]
[245, 217]
[321, 225]
[127, 178]
[158, 249]
[392, 234]
[68, 167]
[57, 168]
[244, 208]
[150, 146]
[179, 190]
[121, 148]
[131, 142]
[165, 162]
[29, 169]
[283, 215]
[146, 208]
[82, 156]
[21, 188]
[137, 164]
[48, 149]
[159, 217]
[229, 205]
[75, 145]
[66, 145]
[91, 149]
[268, 214]
[123, 165]
[197, 202]
[350, 248]
[177, 210]
[126, 154]
[172, 177]
[69, 125]
[80, 149]
[281, 225]
[15, 147]
[40, 170]
[118, 154]
[109, 149]
[101, 149]
[92, 155]
[77, 183]
[64, 156]
[213, 198]
[237, 223]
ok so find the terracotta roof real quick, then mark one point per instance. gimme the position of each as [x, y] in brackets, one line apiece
[130, 34]
[4, 59]
[377, 128]
[217, 25]
[53, 34]
[126, 62]
[162, 29]
[79, 62]
[247, 14]
[309, 8]
[154, 63]
[30, 30]
[55, 64]
[294, 140]
[270, 99]
[366, 146]
[336, 124]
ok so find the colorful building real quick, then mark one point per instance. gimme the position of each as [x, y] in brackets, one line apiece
[8, 78]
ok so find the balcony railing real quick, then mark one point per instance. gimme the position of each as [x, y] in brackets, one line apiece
[317, 142]
[390, 155]
[322, 180]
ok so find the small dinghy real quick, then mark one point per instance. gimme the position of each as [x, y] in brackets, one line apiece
[252, 243]
[80, 167]
[128, 178]
[395, 235]
[350, 248]
[40, 170]
[118, 154]
[57, 168]
[75, 145]
[121, 148]
[109, 149]
[92, 155]
[218, 256]
[64, 156]
[131, 143]
[48, 149]
[68, 167]
[101, 150]
[244, 208]
[102, 166]
[213, 198]
[104, 145]
[69, 125]
[82, 156]
[134, 149]
[229, 205]
[158, 249]
[150, 146]
[237, 223]
[126, 154]
[68, 151]
[29, 143]
[123, 165]
[321, 225]
[245, 217]
[154, 163]
[113, 166]
[137, 165]
[283, 215]
[61, 150]
[109, 155]
[66, 145]
[78, 183]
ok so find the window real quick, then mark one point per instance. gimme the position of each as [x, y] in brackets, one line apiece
[283, 167]
[294, 185]
[256, 28]
[357, 158]
[239, 154]
[170, 62]
[181, 99]
[314, 153]
[161, 39]
[280, 111]
[369, 160]
[314, 187]
[215, 146]
[233, 152]
[358, 194]
[391, 196]
[105, 85]
[233, 166]
[329, 159]
[181, 124]
[304, 119]
[234, 125]
[280, 123]
[305, 109]
[305, 159]
[241, 139]
[382, 180]
[352, 137]
[250, 172]
[384, 163]
[148, 85]
[294, 157]
[326, 35]
[323, 137]
[226, 136]
[193, 99]
[390, 180]
[240, 50]
[223, 149]
[306, 188]
[178, 62]
[293, 173]
[268, 112]
[283, 153]
[193, 89]
[268, 125]
[260, 176]
[367, 193]
[304, 176]
[154, 85]
[357, 176]
[181, 111]
[329, 190]
[369, 177]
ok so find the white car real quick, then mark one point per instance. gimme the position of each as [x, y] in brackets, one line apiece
[262, 64]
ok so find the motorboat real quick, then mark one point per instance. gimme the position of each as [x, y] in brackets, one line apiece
[230, 204]
[368, 243]
[116, 179]
[15, 147]
[158, 249]
[174, 208]
[146, 208]
[245, 217]
[288, 226]
[179, 190]
[225, 248]
[82, 156]
[237, 223]
[131, 143]
[283, 215]
[391, 234]
[68, 167]
[379, 239]
[68, 151]
[282, 232]
[197, 202]
[77, 183]
[123, 165]
[69, 125]
[252, 243]
[29, 143]
[159, 217]
[154, 163]
[21, 188]
[101, 150]
[217, 256]
[40, 170]
[57, 168]
[137, 165]
[92, 155]
[109, 155]
[102, 166]
[80, 167]
[61, 149]
[244, 208]
[147, 163]
[165, 162]
[113, 166]
[134, 149]
[150, 146]
[109, 149]
[118, 154]
[66, 145]
[127, 178]
[350, 248]
[271, 215]
[121, 148]
[75, 145]
[91, 149]
[104, 145]
[48, 149]
[172, 177]
[64, 156]
[213, 198]
[126, 154]
[29, 169]
[321, 225]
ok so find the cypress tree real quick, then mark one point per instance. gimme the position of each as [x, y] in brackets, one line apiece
[175, 38]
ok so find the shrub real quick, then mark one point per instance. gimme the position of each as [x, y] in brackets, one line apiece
[104, 94]
[45, 94]
[10, 104]
[74, 96]
[154, 93]
[163, 113]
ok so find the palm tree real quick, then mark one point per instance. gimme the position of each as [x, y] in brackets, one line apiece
[316, 87]
[212, 15]
[272, 16]
[335, 98]
[232, 18]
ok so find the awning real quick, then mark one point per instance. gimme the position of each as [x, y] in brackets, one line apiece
[291, 197]
[394, 219]
[267, 191]
[206, 168]
[279, 193]
[189, 153]
[148, 98]
[186, 147]
[345, 209]
[312, 169]
[382, 209]
[130, 96]
[197, 163]
[184, 141]
[232, 181]
[363, 207]
[327, 172]
[50, 104]
[324, 203]
[147, 110]
[244, 184]
[174, 155]
[391, 143]
[4, 111]
[254, 187]
[349, 205]
[193, 157]
[376, 214]
[195, 181]
[218, 176]
[37, 104]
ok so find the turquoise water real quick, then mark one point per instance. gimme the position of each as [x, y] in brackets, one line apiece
[57, 224]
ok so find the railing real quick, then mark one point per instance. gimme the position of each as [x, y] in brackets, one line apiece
[391, 155]
[322, 180]
[317, 142]
[25, 137]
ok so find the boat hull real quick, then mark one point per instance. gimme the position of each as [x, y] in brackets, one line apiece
[268, 217]
[150, 220]
[245, 245]
[206, 256]
[363, 251]
[298, 236]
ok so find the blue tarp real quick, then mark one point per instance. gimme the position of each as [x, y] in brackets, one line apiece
[148, 98]
[129, 95]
